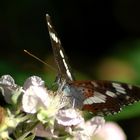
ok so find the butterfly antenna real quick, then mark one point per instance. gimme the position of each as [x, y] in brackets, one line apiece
[40, 60]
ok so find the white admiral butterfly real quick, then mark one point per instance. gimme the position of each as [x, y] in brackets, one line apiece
[98, 97]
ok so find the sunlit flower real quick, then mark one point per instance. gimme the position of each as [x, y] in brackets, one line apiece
[89, 128]
[4, 135]
[110, 131]
[41, 131]
[35, 95]
[49, 112]
[7, 80]
[69, 117]
[8, 122]
[8, 87]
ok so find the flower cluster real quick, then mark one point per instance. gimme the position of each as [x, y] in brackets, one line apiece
[33, 110]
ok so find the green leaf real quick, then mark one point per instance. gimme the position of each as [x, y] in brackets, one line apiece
[127, 112]
[30, 137]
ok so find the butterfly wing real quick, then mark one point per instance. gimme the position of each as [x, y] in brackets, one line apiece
[99, 97]
[105, 97]
[64, 69]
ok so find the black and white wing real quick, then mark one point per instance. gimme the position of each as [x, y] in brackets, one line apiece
[104, 97]
[64, 69]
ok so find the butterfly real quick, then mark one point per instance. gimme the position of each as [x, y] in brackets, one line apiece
[98, 97]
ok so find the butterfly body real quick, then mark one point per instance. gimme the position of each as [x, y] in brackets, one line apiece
[98, 97]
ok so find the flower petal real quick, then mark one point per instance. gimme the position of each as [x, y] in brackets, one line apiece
[69, 117]
[111, 131]
[86, 130]
[33, 81]
[8, 87]
[35, 95]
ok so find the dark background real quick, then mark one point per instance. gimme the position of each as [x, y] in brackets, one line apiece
[101, 39]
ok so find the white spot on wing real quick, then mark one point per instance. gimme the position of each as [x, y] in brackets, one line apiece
[69, 74]
[127, 97]
[97, 98]
[54, 37]
[130, 86]
[116, 85]
[121, 91]
[118, 93]
[94, 84]
[105, 109]
[89, 101]
[67, 69]
[65, 64]
[49, 25]
[111, 94]
[119, 88]
[61, 53]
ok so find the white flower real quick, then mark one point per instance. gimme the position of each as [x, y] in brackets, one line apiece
[69, 117]
[35, 95]
[33, 81]
[64, 121]
[110, 131]
[7, 80]
[41, 131]
[87, 129]
[8, 87]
